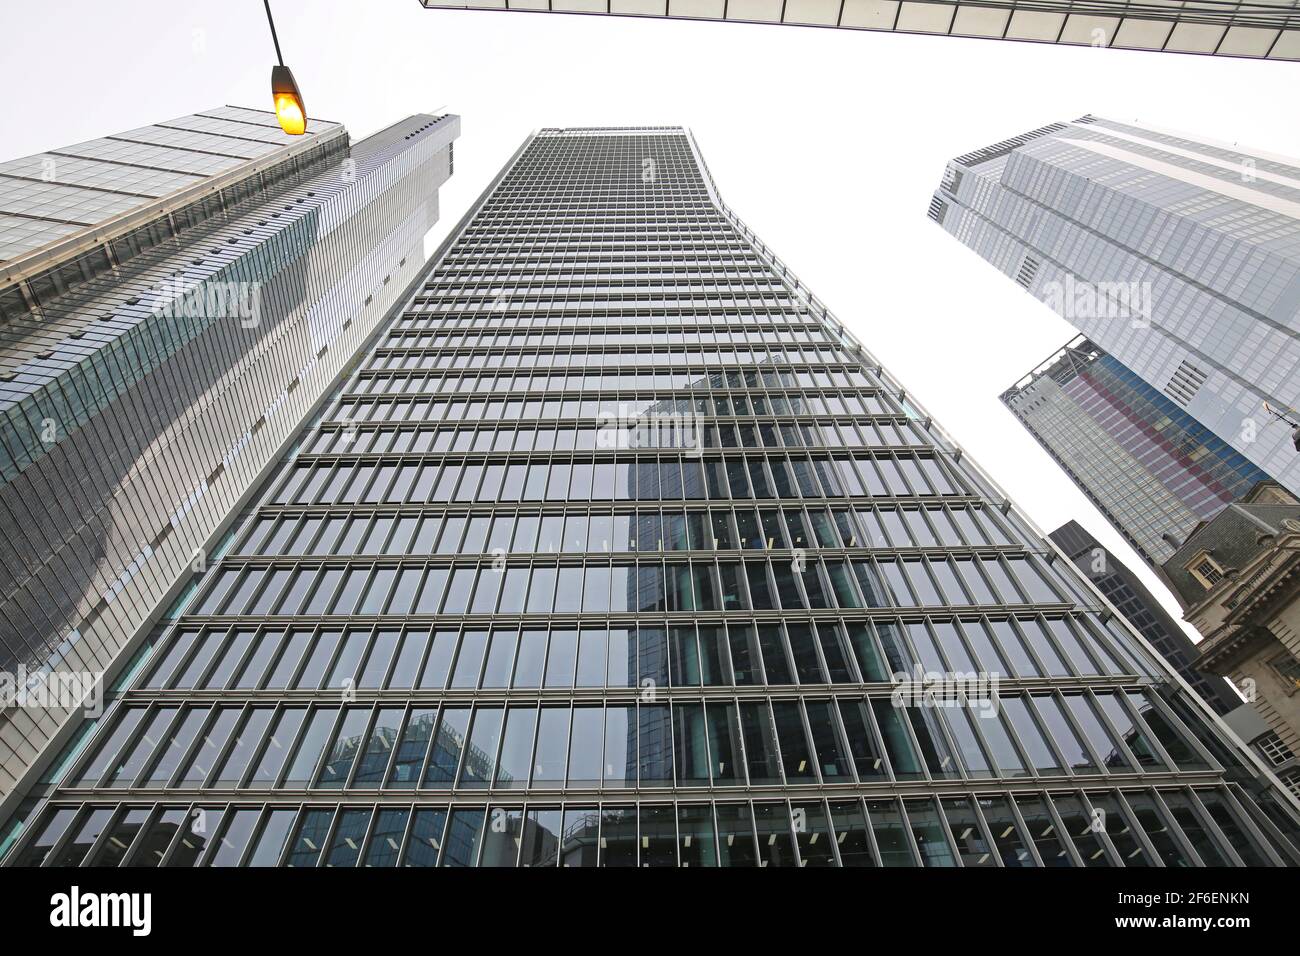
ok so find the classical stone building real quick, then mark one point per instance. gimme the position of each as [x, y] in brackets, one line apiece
[1238, 576]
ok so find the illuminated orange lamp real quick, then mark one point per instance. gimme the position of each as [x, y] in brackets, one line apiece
[289, 108]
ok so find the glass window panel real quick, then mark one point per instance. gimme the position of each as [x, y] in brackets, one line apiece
[408, 761]
[579, 842]
[502, 836]
[437, 667]
[448, 743]
[531, 660]
[1081, 827]
[585, 747]
[541, 838]
[347, 744]
[1115, 824]
[655, 745]
[1031, 735]
[736, 842]
[849, 829]
[350, 831]
[1076, 753]
[813, 833]
[690, 734]
[620, 747]
[892, 838]
[902, 755]
[386, 837]
[775, 846]
[1193, 827]
[562, 658]
[1171, 739]
[309, 838]
[469, 659]
[464, 836]
[1043, 831]
[1006, 831]
[238, 830]
[1157, 827]
[776, 661]
[152, 847]
[1136, 739]
[551, 755]
[425, 842]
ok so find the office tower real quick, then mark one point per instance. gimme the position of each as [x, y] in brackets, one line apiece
[609, 552]
[1178, 257]
[176, 299]
[1130, 597]
[1151, 469]
[1268, 30]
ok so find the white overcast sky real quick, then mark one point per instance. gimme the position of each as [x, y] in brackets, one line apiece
[827, 142]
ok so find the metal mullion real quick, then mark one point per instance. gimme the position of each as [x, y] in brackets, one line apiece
[1009, 726]
[900, 806]
[364, 843]
[1117, 738]
[259, 632]
[982, 823]
[1129, 818]
[335, 820]
[138, 839]
[1066, 839]
[195, 746]
[154, 753]
[1109, 850]
[1178, 729]
[363, 743]
[1056, 746]
[1212, 828]
[1244, 817]
[115, 812]
[340, 714]
[434, 727]
[189, 808]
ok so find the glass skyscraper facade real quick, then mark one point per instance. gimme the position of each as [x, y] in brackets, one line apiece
[1151, 469]
[1258, 30]
[1131, 598]
[176, 299]
[616, 549]
[1178, 256]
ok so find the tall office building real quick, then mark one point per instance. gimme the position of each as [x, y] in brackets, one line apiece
[1260, 29]
[617, 549]
[1153, 470]
[174, 301]
[1131, 598]
[1178, 257]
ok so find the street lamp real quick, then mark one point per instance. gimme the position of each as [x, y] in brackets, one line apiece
[289, 108]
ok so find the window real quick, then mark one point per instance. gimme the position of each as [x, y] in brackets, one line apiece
[1288, 668]
[1206, 570]
[1274, 749]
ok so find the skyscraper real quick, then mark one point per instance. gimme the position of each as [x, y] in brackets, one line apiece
[1178, 257]
[616, 548]
[175, 299]
[1267, 30]
[1153, 470]
[1131, 598]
